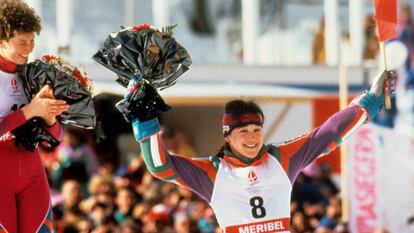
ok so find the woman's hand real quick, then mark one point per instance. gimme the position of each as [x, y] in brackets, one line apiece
[385, 80]
[45, 105]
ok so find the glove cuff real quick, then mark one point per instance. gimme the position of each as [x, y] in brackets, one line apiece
[143, 130]
[371, 103]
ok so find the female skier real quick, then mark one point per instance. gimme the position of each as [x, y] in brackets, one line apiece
[248, 183]
[24, 193]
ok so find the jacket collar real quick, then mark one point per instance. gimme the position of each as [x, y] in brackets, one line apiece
[7, 66]
[241, 161]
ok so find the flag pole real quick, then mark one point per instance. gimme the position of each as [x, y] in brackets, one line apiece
[343, 103]
[387, 97]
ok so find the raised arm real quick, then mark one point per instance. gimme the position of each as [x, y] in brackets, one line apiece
[198, 175]
[300, 152]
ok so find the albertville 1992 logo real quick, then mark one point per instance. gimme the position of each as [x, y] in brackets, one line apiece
[13, 83]
[253, 177]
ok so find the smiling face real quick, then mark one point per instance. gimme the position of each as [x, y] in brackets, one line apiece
[18, 48]
[246, 141]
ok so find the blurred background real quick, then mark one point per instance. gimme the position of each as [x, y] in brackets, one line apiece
[298, 59]
[214, 32]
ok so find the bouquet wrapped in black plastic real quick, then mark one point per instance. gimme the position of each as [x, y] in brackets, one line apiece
[69, 83]
[153, 59]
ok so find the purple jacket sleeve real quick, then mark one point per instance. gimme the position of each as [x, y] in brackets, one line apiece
[300, 152]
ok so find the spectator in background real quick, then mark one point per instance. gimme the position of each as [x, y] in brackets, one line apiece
[185, 145]
[77, 159]
[318, 45]
[177, 142]
[101, 215]
[371, 45]
[406, 35]
[103, 191]
[342, 227]
[208, 222]
[84, 226]
[305, 190]
[125, 201]
[158, 220]
[129, 226]
[300, 223]
[168, 135]
[182, 222]
[405, 102]
[68, 212]
[140, 213]
[330, 219]
[132, 174]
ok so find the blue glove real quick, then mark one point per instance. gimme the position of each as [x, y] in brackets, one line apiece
[374, 99]
[145, 129]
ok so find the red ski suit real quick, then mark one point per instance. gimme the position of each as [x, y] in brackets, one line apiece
[25, 205]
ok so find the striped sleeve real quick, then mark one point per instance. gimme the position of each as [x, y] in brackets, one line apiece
[195, 174]
[300, 152]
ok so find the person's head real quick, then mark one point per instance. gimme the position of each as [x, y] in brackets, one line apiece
[298, 219]
[182, 222]
[19, 24]
[71, 193]
[125, 199]
[369, 23]
[74, 137]
[129, 226]
[242, 127]
[405, 13]
[99, 213]
[158, 218]
[168, 135]
[102, 185]
[84, 225]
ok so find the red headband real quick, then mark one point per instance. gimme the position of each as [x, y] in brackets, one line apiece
[231, 122]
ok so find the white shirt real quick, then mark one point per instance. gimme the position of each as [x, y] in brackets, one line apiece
[12, 95]
[252, 199]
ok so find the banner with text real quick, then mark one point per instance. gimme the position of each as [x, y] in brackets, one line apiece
[381, 181]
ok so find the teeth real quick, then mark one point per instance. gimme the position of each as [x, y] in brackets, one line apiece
[251, 146]
[25, 56]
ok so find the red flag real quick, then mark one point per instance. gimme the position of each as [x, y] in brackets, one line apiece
[386, 17]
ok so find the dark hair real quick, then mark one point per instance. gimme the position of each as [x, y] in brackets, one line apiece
[236, 108]
[168, 132]
[239, 113]
[17, 17]
[220, 151]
